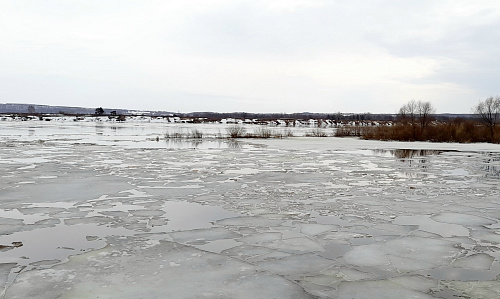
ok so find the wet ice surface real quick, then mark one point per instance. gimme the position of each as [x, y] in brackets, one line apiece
[294, 218]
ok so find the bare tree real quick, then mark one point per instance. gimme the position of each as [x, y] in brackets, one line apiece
[425, 111]
[408, 112]
[417, 114]
[488, 112]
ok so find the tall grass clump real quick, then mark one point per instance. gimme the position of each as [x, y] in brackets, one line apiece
[287, 133]
[283, 133]
[457, 130]
[236, 131]
[179, 134]
[174, 135]
[263, 133]
[316, 133]
[197, 134]
[348, 131]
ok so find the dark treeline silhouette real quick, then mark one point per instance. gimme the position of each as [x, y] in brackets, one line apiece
[32, 109]
[295, 116]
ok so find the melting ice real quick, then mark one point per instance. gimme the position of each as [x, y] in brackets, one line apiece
[99, 211]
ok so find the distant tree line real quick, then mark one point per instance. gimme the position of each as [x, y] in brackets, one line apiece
[24, 109]
[415, 120]
[295, 116]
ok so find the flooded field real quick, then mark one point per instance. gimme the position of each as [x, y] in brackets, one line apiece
[105, 210]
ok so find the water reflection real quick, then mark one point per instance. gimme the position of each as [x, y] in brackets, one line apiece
[416, 161]
[411, 157]
[491, 164]
[407, 153]
[234, 144]
[182, 143]
[203, 143]
[99, 128]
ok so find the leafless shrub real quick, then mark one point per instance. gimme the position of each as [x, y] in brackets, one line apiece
[348, 131]
[196, 134]
[174, 135]
[236, 131]
[287, 133]
[316, 133]
[179, 134]
[263, 133]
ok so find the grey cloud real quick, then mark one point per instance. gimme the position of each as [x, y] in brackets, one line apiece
[243, 28]
[122, 51]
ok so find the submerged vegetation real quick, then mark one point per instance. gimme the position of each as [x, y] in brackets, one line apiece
[178, 134]
[232, 132]
[318, 132]
[236, 131]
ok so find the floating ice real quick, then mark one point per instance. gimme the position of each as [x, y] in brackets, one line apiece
[462, 219]
[295, 264]
[476, 289]
[405, 254]
[295, 217]
[243, 171]
[425, 223]
[5, 269]
[296, 244]
[167, 268]
[377, 289]
[334, 250]
[27, 216]
[416, 282]
[313, 229]
[217, 246]
[209, 234]
[250, 222]
[247, 251]
[480, 261]
[486, 236]
[261, 238]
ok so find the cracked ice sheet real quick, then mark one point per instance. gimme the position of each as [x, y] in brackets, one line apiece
[377, 289]
[128, 269]
[290, 219]
[405, 254]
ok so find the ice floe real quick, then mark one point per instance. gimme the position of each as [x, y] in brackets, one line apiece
[95, 210]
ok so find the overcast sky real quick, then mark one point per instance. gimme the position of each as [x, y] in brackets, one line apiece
[254, 56]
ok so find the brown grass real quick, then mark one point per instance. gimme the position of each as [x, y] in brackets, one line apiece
[348, 131]
[457, 130]
[316, 133]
